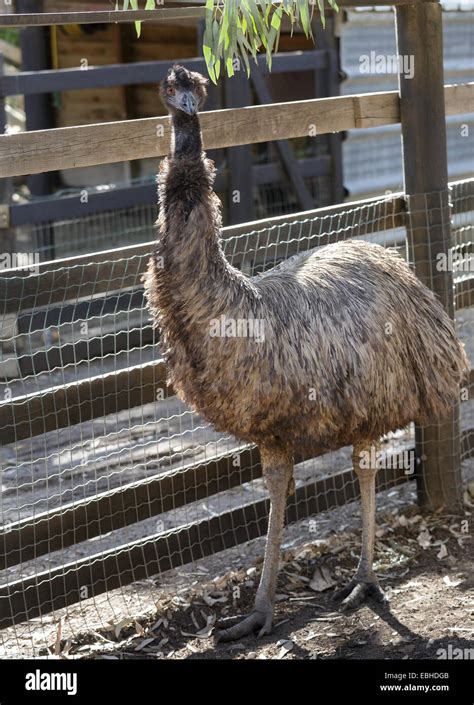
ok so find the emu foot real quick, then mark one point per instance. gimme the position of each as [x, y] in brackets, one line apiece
[236, 627]
[357, 592]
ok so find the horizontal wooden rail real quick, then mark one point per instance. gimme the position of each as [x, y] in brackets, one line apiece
[110, 343]
[89, 145]
[48, 19]
[49, 209]
[59, 587]
[104, 143]
[114, 509]
[50, 81]
[58, 407]
[65, 405]
[95, 516]
[176, 11]
[73, 278]
[76, 402]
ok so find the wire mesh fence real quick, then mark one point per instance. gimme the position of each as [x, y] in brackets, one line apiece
[119, 227]
[373, 158]
[108, 480]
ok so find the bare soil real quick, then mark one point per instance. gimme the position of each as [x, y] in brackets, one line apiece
[425, 564]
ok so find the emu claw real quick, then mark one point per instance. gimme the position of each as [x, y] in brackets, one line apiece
[357, 592]
[236, 627]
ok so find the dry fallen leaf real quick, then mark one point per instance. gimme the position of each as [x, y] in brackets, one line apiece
[467, 497]
[424, 538]
[67, 648]
[321, 579]
[211, 601]
[206, 632]
[144, 643]
[443, 552]
[415, 519]
[117, 627]
[286, 646]
[139, 629]
[451, 583]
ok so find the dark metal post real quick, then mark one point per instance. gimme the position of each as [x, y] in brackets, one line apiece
[6, 235]
[239, 159]
[420, 40]
[327, 85]
[38, 108]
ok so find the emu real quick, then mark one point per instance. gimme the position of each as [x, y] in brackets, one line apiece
[351, 344]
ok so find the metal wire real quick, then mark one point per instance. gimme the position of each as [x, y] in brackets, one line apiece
[104, 329]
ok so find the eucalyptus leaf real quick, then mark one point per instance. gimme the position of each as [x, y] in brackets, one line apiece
[238, 29]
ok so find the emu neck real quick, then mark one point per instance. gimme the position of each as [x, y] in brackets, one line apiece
[187, 141]
[196, 277]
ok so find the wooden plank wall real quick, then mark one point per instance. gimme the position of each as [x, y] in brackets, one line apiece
[101, 47]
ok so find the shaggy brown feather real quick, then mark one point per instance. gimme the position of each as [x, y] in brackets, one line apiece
[354, 344]
[334, 347]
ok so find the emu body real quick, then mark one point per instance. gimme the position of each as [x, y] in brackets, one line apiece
[340, 345]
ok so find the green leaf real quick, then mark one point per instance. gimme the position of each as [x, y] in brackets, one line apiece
[229, 66]
[138, 24]
[244, 56]
[304, 15]
[276, 18]
[241, 28]
[321, 12]
[273, 35]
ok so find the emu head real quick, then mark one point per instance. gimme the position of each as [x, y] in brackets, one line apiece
[183, 91]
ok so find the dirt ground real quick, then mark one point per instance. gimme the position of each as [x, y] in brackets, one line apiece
[425, 564]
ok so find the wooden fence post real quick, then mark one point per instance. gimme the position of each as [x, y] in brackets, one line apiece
[420, 46]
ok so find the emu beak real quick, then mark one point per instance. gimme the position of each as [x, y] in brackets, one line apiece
[188, 104]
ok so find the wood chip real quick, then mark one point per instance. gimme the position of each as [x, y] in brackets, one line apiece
[57, 643]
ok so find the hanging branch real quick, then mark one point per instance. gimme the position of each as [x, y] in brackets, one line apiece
[239, 29]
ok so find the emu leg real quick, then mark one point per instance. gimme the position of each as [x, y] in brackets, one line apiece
[364, 583]
[278, 470]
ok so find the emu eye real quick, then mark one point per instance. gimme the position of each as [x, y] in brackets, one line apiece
[170, 90]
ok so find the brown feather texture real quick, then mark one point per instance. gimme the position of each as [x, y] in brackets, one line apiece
[333, 346]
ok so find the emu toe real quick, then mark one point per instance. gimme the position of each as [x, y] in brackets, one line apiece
[356, 593]
[236, 627]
